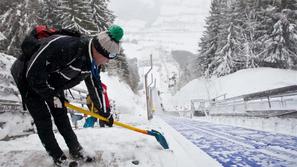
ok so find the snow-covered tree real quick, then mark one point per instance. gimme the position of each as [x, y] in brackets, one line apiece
[251, 33]
[48, 13]
[210, 38]
[253, 29]
[16, 21]
[227, 59]
[88, 16]
[102, 16]
[17, 18]
[228, 55]
[280, 47]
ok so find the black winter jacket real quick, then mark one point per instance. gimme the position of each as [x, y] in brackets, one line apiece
[60, 63]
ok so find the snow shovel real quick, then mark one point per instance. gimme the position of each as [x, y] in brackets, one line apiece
[160, 138]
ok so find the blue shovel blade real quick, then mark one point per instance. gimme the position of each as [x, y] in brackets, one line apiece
[160, 138]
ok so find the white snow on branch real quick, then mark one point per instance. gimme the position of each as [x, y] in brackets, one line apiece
[2, 37]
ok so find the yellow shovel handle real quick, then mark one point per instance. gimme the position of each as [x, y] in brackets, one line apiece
[84, 111]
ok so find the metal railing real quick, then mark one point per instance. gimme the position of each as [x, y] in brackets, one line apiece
[269, 103]
[79, 96]
[11, 106]
[15, 107]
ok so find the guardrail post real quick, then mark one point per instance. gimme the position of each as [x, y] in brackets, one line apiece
[150, 94]
[269, 103]
[245, 105]
[282, 102]
[146, 89]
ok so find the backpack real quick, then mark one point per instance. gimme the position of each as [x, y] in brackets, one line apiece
[29, 46]
[31, 42]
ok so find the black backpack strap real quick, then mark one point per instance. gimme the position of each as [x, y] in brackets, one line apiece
[69, 32]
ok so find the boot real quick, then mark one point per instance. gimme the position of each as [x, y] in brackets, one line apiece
[80, 154]
[62, 161]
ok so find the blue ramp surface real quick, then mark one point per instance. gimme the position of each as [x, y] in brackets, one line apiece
[235, 146]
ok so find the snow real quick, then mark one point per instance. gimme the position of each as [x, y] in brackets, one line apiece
[119, 92]
[119, 146]
[13, 121]
[177, 25]
[7, 87]
[236, 84]
[158, 27]
[2, 37]
[286, 126]
[239, 83]
[124, 146]
[8, 91]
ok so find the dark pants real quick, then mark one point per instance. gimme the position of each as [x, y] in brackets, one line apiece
[103, 123]
[41, 113]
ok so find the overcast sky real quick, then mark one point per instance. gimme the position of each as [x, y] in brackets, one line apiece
[149, 10]
[146, 10]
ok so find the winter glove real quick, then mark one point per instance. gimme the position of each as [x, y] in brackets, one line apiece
[59, 101]
[109, 117]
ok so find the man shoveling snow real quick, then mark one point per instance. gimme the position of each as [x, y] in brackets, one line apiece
[55, 63]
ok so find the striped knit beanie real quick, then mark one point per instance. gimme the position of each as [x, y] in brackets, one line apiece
[107, 42]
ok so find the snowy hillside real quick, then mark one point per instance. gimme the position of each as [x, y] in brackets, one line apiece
[11, 117]
[238, 83]
[178, 26]
[126, 101]
[174, 25]
[8, 90]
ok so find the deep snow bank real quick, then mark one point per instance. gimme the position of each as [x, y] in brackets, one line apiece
[239, 83]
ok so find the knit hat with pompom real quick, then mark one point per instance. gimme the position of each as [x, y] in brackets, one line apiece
[107, 42]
